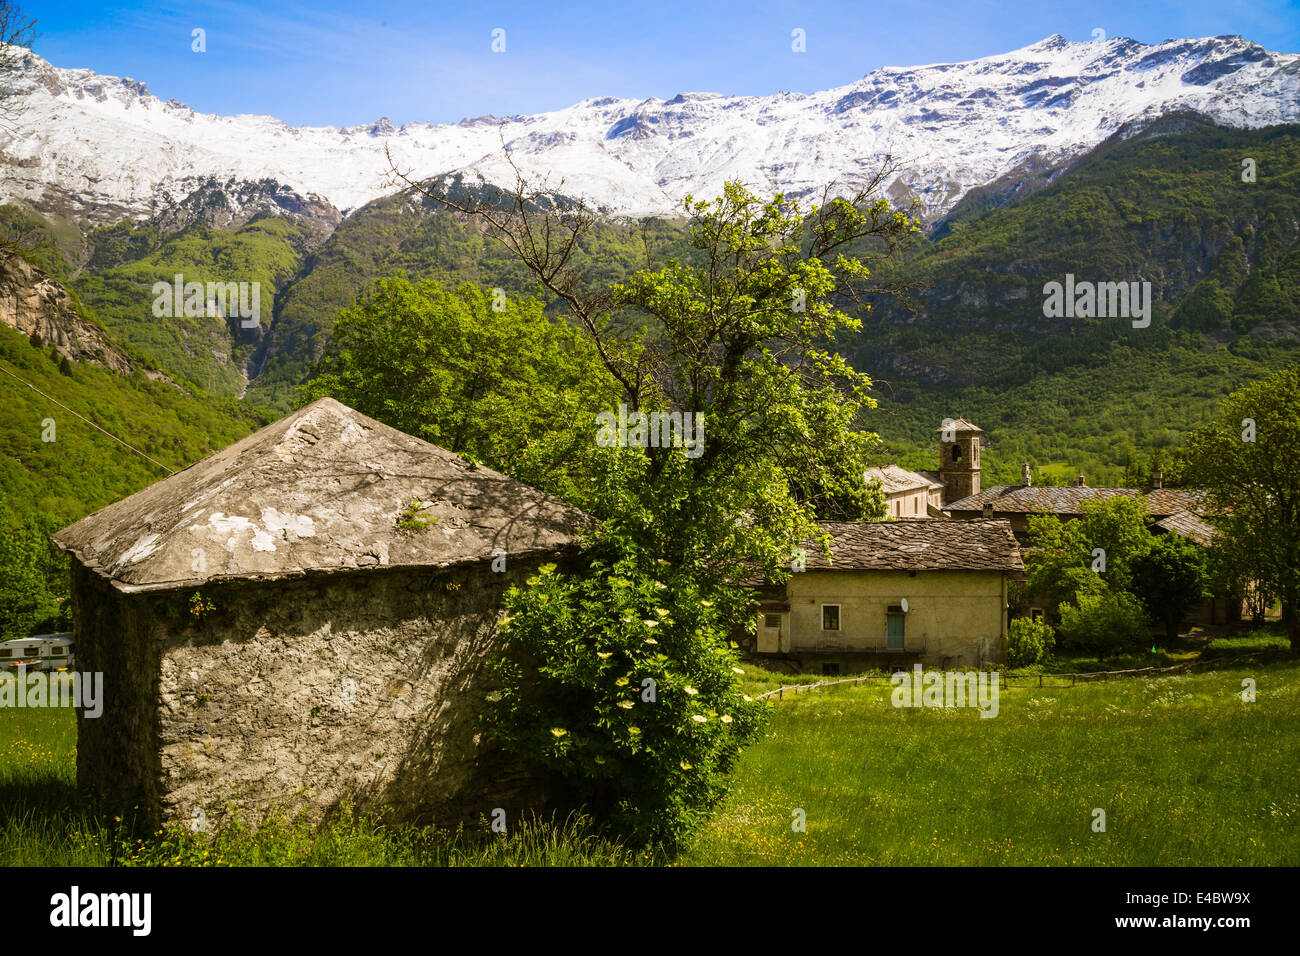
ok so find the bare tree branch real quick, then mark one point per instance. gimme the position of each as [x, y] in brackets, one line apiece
[17, 33]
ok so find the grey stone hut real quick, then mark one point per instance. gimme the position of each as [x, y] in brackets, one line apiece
[303, 618]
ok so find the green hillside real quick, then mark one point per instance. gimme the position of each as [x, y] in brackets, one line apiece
[1168, 207]
[209, 351]
[412, 234]
[45, 485]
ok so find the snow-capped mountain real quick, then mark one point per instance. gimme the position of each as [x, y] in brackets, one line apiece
[102, 147]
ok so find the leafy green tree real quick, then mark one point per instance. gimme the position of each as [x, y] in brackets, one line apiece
[1246, 458]
[506, 386]
[1062, 554]
[1169, 579]
[739, 336]
[33, 579]
[1208, 308]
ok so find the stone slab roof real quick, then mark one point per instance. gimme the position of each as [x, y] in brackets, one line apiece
[320, 490]
[960, 425]
[919, 544]
[1188, 525]
[1069, 499]
[894, 479]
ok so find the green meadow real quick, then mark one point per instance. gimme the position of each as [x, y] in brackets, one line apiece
[1186, 771]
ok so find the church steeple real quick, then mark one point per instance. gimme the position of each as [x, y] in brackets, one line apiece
[959, 459]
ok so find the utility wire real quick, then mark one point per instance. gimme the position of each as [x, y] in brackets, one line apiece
[87, 421]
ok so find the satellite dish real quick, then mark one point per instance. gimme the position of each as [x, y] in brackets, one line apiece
[903, 605]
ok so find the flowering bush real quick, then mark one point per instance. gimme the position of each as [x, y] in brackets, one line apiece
[625, 686]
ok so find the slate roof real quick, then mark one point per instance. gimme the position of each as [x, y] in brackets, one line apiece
[322, 489]
[1188, 525]
[894, 479]
[1069, 499]
[919, 544]
[961, 425]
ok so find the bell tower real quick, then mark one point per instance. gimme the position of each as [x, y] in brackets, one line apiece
[959, 459]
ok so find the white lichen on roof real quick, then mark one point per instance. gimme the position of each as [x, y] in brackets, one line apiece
[320, 490]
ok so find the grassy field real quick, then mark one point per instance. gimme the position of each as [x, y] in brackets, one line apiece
[1186, 771]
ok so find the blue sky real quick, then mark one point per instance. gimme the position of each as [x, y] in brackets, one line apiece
[325, 62]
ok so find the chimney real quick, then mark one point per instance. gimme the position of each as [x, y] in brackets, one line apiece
[988, 509]
[1026, 478]
[1157, 479]
[1081, 481]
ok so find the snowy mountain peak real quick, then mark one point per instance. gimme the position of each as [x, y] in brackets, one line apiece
[103, 147]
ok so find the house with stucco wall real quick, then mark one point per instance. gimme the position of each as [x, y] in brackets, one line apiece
[892, 592]
[305, 618]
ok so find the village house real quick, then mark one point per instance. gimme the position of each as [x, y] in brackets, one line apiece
[893, 592]
[304, 618]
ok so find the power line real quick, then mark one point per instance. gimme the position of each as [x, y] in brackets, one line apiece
[87, 420]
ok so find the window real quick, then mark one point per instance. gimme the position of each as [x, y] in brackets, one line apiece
[32, 651]
[58, 652]
[916, 506]
[6, 652]
[1035, 614]
[830, 669]
[830, 617]
[771, 620]
[956, 453]
[898, 508]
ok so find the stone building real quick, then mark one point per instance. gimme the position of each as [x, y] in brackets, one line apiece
[908, 494]
[302, 618]
[959, 459]
[893, 592]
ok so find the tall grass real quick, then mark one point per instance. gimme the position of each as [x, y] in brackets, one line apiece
[1186, 772]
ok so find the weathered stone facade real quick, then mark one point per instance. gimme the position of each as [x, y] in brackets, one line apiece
[301, 694]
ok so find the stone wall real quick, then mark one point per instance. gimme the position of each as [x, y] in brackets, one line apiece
[362, 686]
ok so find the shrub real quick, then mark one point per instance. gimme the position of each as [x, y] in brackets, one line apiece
[1103, 622]
[1029, 642]
[625, 687]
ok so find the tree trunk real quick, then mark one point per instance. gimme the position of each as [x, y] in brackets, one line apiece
[1292, 624]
